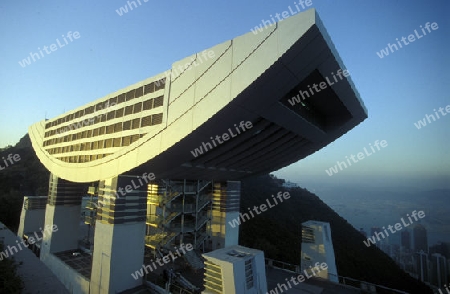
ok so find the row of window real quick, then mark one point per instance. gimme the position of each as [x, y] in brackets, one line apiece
[131, 109]
[150, 120]
[308, 235]
[249, 274]
[135, 93]
[82, 158]
[213, 277]
[100, 144]
[107, 143]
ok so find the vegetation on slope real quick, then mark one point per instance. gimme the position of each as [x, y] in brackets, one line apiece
[10, 282]
[277, 232]
[26, 177]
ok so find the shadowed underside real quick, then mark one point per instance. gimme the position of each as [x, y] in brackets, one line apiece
[157, 124]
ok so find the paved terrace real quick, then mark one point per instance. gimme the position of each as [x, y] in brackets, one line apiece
[35, 275]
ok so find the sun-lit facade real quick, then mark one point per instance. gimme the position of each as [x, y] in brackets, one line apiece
[227, 113]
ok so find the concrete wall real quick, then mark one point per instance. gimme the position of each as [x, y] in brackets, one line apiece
[67, 220]
[233, 269]
[31, 221]
[74, 282]
[118, 253]
[320, 251]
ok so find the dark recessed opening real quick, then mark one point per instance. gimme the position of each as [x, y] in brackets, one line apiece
[318, 105]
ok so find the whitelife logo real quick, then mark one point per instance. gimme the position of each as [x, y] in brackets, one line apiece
[423, 123]
[123, 10]
[52, 47]
[322, 85]
[334, 169]
[263, 207]
[411, 38]
[176, 72]
[11, 158]
[170, 257]
[225, 137]
[285, 14]
[397, 227]
[86, 122]
[31, 241]
[300, 278]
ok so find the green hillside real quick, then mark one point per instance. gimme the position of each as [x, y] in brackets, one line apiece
[276, 231]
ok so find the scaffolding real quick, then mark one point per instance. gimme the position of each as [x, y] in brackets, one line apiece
[179, 211]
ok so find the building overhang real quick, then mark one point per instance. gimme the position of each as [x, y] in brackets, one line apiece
[252, 78]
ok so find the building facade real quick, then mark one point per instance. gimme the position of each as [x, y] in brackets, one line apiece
[235, 269]
[317, 247]
[420, 238]
[162, 158]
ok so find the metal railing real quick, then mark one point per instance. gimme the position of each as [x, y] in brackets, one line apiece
[154, 220]
[342, 280]
[90, 220]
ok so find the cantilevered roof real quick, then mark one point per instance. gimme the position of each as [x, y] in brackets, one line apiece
[155, 125]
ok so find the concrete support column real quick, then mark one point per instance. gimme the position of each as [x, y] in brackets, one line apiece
[63, 210]
[32, 217]
[119, 234]
[225, 208]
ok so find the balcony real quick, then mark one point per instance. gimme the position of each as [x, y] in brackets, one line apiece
[154, 199]
[154, 220]
[189, 224]
[91, 205]
[169, 218]
[92, 191]
[190, 207]
[89, 220]
[157, 241]
[201, 221]
[170, 197]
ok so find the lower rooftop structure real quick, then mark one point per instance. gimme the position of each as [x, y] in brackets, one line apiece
[317, 250]
[235, 269]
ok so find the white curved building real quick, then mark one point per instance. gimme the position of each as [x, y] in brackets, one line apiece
[247, 106]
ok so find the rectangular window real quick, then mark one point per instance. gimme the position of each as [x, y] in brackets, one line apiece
[119, 113]
[112, 101]
[128, 110]
[89, 110]
[117, 142]
[108, 143]
[160, 84]
[137, 107]
[130, 95]
[111, 115]
[146, 121]
[149, 88]
[139, 92]
[134, 138]
[110, 129]
[158, 101]
[117, 127]
[148, 104]
[157, 119]
[127, 125]
[136, 123]
[120, 98]
[126, 141]
[249, 274]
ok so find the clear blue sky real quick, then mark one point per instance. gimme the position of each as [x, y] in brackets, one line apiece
[115, 51]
